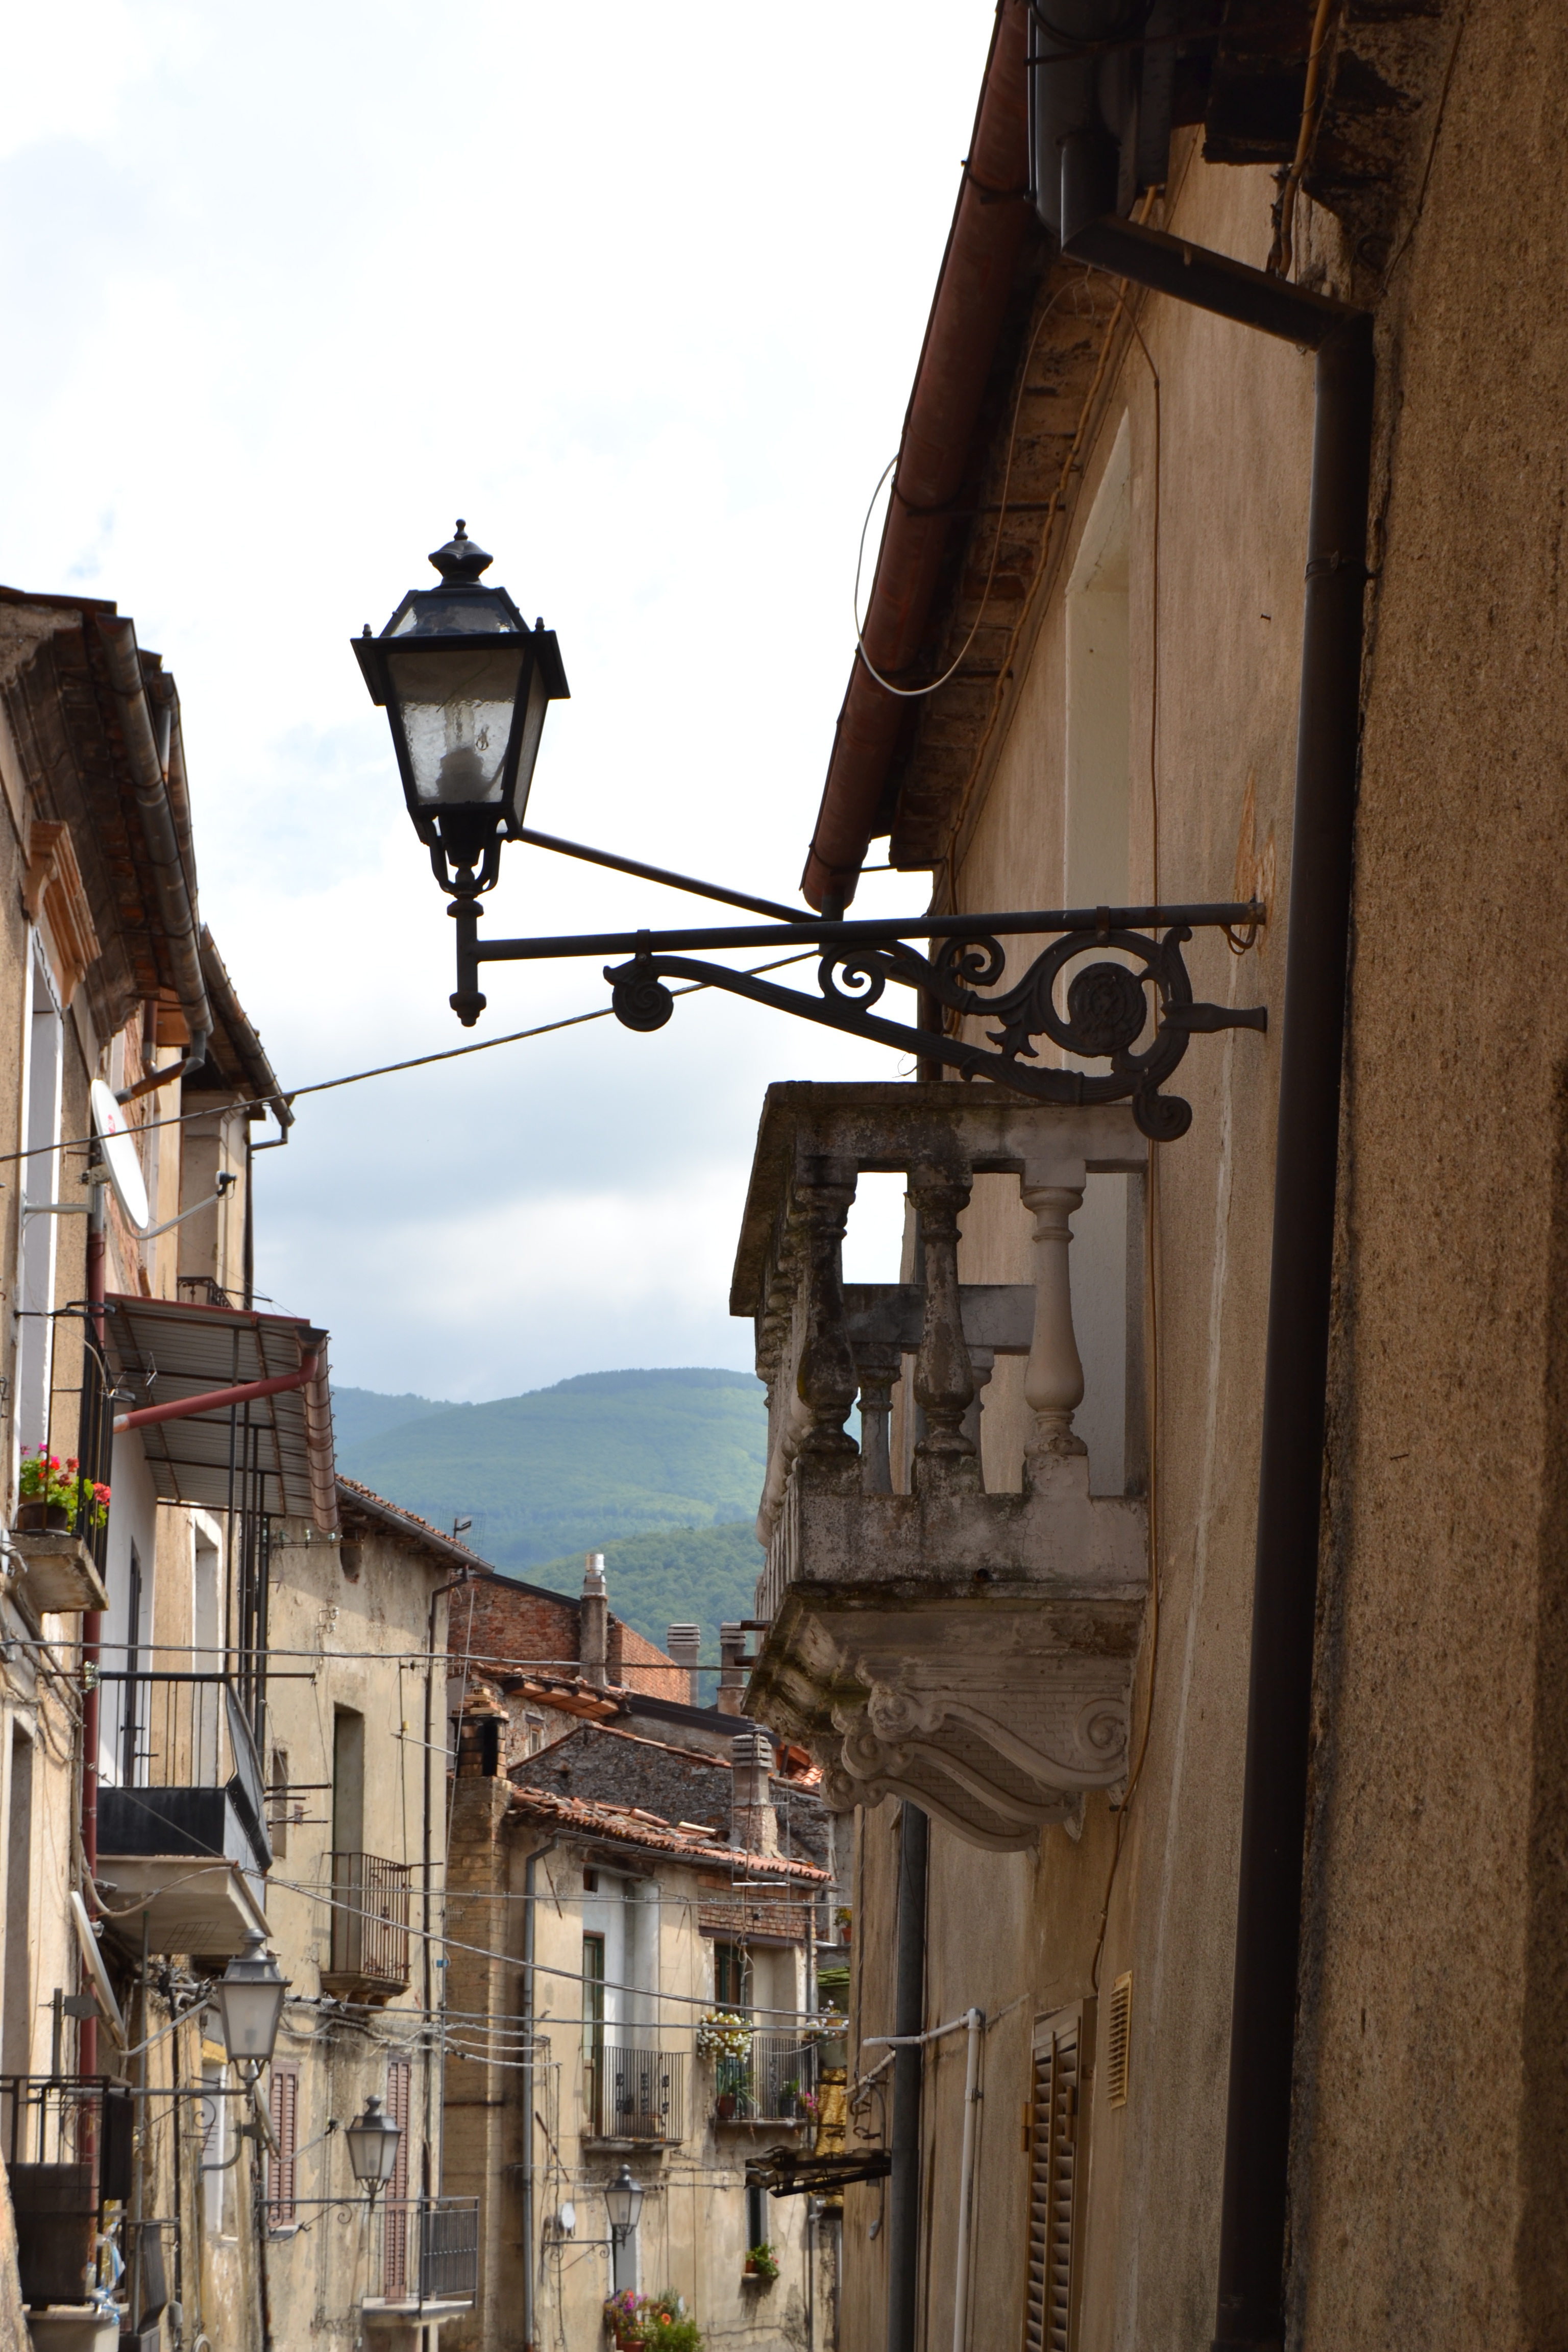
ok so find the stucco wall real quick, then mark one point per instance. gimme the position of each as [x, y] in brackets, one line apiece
[1436, 2066]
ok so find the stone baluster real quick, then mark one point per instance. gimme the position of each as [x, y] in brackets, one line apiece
[982, 1362]
[826, 1379]
[945, 1381]
[1053, 1383]
[878, 1368]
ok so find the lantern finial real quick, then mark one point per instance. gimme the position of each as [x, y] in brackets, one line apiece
[462, 560]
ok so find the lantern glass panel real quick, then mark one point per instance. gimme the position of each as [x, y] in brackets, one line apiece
[623, 2201]
[372, 2140]
[456, 704]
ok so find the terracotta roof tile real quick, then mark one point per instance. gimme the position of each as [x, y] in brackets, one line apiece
[631, 1826]
[354, 1492]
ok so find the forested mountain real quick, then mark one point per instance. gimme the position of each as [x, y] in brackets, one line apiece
[659, 1470]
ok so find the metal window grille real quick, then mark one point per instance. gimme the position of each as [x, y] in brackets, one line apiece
[772, 2084]
[370, 1918]
[631, 2093]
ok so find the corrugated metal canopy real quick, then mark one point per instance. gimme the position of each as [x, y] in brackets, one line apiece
[274, 1454]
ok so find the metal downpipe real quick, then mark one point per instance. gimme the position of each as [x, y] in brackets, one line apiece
[908, 2065]
[1255, 2204]
[530, 2327]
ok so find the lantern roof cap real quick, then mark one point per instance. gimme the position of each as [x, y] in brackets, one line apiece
[462, 560]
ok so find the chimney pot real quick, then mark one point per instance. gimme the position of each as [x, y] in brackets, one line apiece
[594, 1622]
[754, 1820]
[684, 1645]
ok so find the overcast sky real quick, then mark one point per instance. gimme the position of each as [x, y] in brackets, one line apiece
[638, 293]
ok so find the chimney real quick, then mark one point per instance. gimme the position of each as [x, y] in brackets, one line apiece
[594, 1621]
[731, 1673]
[684, 1645]
[753, 1823]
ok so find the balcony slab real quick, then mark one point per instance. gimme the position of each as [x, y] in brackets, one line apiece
[972, 1652]
[56, 1575]
[191, 1906]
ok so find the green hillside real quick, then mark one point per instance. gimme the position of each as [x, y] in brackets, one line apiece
[359, 1415]
[688, 1576]
[573, 1468]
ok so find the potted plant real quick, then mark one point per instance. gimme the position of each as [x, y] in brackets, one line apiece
[651, 2323]
[762, 2263]
[668, 2325]
[623, 2319]
[725, 2036]
[56, 1496]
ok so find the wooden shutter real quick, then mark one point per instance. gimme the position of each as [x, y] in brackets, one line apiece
[282, 2213]
[1058, 2149]
[395, 2265]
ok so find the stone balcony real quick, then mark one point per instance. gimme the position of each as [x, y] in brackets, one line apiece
[970, 1651]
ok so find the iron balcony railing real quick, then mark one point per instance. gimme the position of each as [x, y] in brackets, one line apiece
[186, 1761]
[429, 2251]
[370, 1920]
[632, 2093]
[775, 2083]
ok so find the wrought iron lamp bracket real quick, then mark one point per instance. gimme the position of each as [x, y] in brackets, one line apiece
[1099, 1013]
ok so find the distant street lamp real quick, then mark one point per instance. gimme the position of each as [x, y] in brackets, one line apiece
[248, 1998]
[465, 684]
[623, 2201]
[372, 2140]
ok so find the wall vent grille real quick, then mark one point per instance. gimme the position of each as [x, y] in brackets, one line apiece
[1119, 2040]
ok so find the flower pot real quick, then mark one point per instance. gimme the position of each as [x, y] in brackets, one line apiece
[726, 2106]
[42, 1518]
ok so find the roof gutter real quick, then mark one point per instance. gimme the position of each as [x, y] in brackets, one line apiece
[176, 892]
[989, 224]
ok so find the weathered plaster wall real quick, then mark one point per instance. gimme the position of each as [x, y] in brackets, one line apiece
[692, 2235]
[1435, 2071]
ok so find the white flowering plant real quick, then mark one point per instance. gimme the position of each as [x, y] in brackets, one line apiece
[723, 2034]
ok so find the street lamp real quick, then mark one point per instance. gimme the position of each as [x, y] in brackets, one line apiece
[372, 2140]
[465, 684]
[623, 2203]
[248, 1998]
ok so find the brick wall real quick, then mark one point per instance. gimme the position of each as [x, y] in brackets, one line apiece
[502, 1623]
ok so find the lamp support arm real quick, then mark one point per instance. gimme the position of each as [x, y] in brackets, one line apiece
[1108, 1005]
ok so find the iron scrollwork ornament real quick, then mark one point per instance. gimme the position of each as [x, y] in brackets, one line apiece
[1106, 1008]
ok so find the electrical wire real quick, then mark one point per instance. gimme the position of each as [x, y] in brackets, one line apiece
[415, 1062]
[913, 693]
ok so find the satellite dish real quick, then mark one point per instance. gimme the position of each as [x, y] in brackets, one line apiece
[96, 1974]
[119, 1155]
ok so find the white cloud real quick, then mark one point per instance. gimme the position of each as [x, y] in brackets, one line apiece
[640, 298]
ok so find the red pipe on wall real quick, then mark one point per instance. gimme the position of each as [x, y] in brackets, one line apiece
[218, 1400]
[92, 1635]
[977, 269]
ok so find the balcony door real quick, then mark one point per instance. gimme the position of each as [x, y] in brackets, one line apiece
[593, 2030]
[347, 1842]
